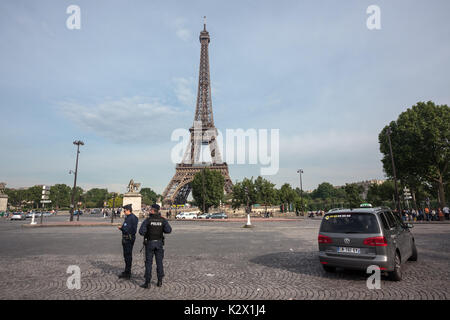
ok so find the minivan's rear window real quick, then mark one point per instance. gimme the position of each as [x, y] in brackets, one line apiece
[350, 223]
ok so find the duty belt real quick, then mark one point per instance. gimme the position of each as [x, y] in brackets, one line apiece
[127, 236]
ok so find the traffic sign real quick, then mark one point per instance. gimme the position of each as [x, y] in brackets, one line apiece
[46, 201]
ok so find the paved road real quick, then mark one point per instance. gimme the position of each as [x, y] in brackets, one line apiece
[207, 260]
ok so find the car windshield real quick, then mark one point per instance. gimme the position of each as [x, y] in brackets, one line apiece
[350, 223]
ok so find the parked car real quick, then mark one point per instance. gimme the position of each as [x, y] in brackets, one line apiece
[47, 214]
[186, 215]
[29, 214]
[359, 238]
[76, 212]
[203, 216]
[95, 211]
[18, 216]
[218, 215]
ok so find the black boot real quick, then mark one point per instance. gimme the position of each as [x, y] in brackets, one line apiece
[125, 275]
[145, 285]
[159, 284]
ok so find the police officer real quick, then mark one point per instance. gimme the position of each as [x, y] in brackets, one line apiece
[153, 229]
[128, 228]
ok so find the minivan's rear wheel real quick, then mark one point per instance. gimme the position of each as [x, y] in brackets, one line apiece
[414, 253]
[328, 268]
[396, 275]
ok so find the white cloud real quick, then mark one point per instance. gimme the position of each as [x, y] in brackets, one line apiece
[126, 120]
[330, 142]
[180, 30]
[185, 90]
[184, 34]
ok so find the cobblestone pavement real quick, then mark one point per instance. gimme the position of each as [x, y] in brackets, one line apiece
[276, 260]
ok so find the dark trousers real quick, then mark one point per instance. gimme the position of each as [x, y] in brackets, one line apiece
[127, 245]
[154, 248]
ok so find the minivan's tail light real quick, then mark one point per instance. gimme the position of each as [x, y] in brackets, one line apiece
[375, 242]
[324, 239]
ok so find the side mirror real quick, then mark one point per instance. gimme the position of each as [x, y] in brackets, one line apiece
[409, 225]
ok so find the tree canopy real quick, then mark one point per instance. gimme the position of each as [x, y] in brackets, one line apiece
[208, 189]
[420, 144]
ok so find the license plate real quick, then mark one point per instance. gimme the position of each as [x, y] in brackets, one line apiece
[349, 250]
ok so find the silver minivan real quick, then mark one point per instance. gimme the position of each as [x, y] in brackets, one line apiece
[359, 238]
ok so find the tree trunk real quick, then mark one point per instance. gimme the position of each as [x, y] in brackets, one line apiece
[413, 193]
[441, 192]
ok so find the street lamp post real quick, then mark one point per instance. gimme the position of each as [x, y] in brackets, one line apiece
[300, 171]
[249, 224]
[397, 200]
[203, 189]
[113, 205]
[78, 143]
[78, 209]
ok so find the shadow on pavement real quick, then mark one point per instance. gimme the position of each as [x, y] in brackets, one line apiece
[306, 263]
[136, 278]
[106, 268]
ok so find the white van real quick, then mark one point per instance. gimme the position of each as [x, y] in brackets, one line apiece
[186, 215]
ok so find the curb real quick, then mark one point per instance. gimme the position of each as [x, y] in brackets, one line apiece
[428, 222]
[102, 224]
[240, 220]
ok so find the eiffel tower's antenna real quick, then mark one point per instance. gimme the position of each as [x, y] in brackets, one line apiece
[204, 23]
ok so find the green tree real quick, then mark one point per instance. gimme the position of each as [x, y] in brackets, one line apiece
[353, 194]
[208, 189]
[244, 191]
[324, 190]
[16, 197]
[287, 195]
[420, 143]
[116, 199]
[95, 198]
[266, 193]
[60, 195]
[34, 194]
[149, 196]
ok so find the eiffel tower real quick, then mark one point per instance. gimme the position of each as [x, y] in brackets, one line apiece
[203, 133]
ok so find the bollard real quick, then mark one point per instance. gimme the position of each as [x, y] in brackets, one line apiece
[32, 219]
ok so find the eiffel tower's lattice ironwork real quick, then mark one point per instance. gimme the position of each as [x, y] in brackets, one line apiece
[203, 132]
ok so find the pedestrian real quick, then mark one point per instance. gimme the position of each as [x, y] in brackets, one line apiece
[128, 228]
[153, 229]
[440, 215]
[427, 214]
[446, 211]
[433, 215]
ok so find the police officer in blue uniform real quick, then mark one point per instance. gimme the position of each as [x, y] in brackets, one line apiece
[153, 229]
[128, 228]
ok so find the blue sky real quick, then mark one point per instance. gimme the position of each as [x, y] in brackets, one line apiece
[128, 78]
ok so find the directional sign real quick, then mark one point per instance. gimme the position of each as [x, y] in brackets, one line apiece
[46, 201]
